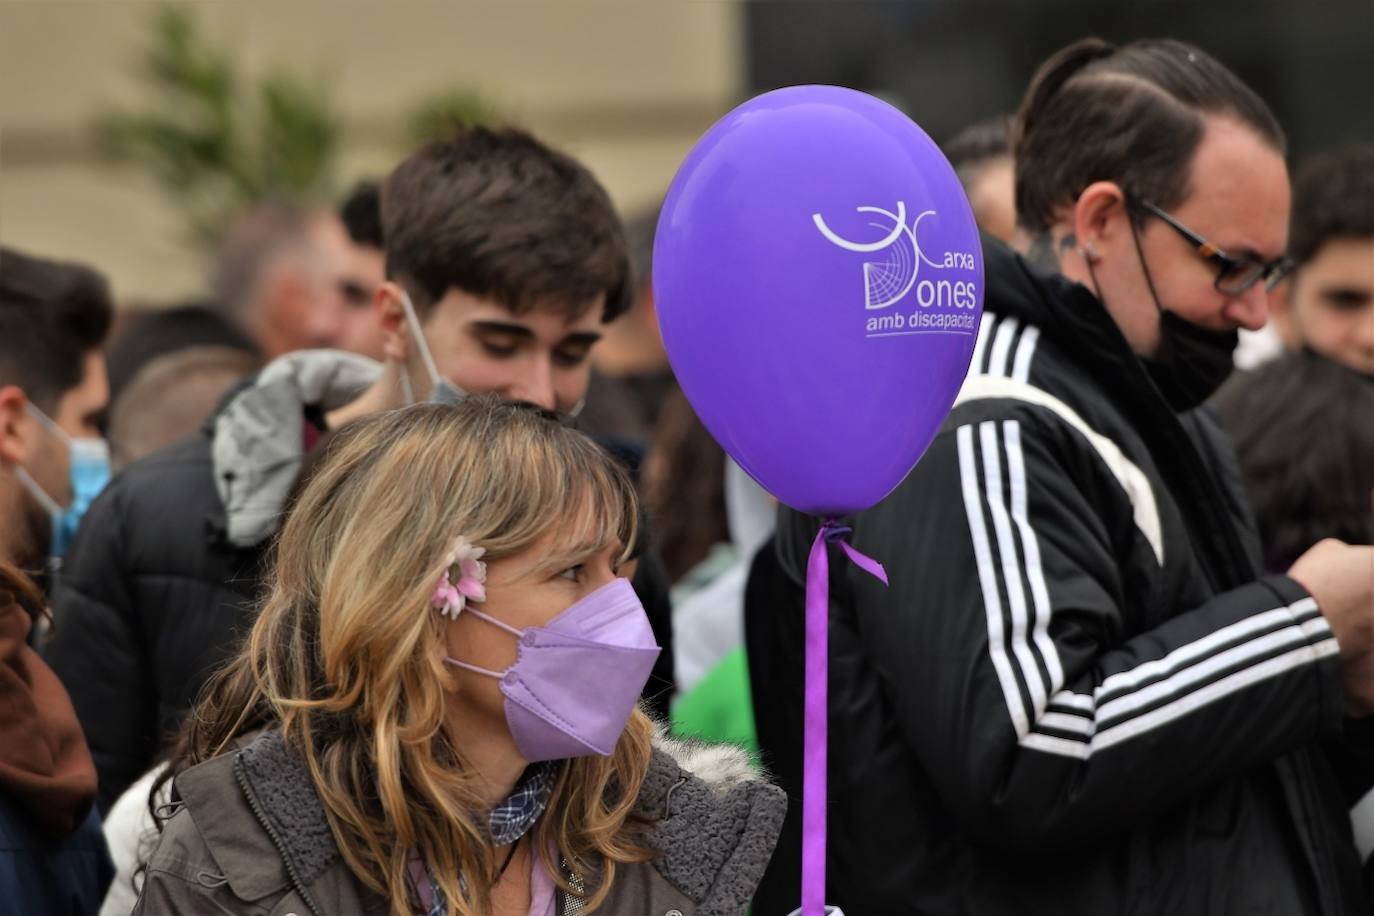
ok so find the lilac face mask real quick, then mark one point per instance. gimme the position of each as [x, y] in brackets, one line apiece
[576, 679]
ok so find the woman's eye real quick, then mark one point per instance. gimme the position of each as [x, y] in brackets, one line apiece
[571, 573]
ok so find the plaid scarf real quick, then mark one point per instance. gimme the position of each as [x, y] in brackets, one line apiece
[508, 822]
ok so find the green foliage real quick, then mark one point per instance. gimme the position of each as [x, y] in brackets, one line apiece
[216, 142]
[436, 117]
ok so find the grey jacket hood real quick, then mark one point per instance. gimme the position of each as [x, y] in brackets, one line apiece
[714, 819]
[257, 442]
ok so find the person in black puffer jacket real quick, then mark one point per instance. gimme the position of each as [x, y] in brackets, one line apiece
[165, 572]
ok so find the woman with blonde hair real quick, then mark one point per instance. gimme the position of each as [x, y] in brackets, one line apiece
[435, 711]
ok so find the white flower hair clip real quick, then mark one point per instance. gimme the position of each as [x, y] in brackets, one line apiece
[450, 596]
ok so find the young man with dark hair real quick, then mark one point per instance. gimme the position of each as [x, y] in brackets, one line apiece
[504, 258]
[1081, 694]
[53, 322]
[1328, 307]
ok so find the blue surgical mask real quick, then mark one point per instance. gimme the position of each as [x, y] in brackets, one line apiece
[444, 391]
[89, 472]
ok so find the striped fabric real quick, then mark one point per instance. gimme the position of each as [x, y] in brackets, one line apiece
[1019, 608]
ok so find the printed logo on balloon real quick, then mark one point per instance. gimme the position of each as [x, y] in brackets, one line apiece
[942, 305]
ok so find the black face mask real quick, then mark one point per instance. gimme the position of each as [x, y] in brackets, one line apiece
[1191, 362]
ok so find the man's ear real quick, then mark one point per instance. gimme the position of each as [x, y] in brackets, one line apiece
[1100, 219]
[391, 315]
[14, 424]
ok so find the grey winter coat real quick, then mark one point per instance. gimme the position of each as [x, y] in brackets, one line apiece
[252, 837]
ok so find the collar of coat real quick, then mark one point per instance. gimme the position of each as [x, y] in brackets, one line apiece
[712, 816]
[1078, 326]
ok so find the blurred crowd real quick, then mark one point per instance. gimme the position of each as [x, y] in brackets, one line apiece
[1128, 665]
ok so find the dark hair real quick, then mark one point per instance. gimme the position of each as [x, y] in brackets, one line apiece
[148, 334]
[1333, 195]
[684, 488]
[1306, 448]
[52, 314]
[1131, 115]
[361, 212]
[498, 214]
[972, 147]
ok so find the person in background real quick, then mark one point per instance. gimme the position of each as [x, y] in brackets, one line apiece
[1303, 426]
[145, 333]
[363, 268]
[1082, 693]
[1328, 305]
[631, 378]
[53, 322]
[277, 273]
[710, 518]
[684, 491]
[505, 294]
[171, 397]
[981, 156]
[53, 860]
[54, 318]
[168, 370]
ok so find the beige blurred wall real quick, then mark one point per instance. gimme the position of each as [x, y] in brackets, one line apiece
[625, 85]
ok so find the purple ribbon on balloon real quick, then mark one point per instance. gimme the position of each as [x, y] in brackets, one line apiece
[817, 724]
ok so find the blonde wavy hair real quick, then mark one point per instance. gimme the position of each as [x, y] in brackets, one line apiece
[345, 656]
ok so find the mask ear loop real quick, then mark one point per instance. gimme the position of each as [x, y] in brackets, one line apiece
[48, 423]
[494, 622]
[1144, 268]
[420, 344]
[50, 505]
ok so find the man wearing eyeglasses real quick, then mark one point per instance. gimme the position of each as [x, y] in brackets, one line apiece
[1080, 695]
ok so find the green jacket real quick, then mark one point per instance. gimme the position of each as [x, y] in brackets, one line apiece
[251, 837]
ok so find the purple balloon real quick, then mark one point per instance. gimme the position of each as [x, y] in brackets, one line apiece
[819, 282]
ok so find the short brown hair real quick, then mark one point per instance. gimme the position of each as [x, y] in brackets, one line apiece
[495, 213]
[1333, 197]
[52, 314]
[1130, 115]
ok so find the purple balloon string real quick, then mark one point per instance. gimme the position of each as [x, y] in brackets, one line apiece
[818, 706]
